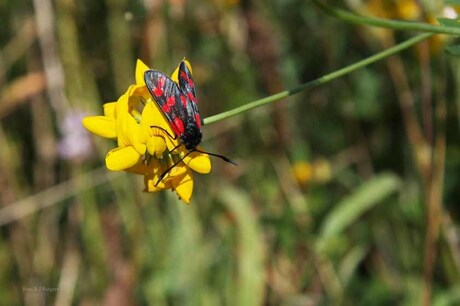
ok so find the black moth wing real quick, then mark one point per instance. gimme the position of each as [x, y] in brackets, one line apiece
[186, 83]
[187, 87]
[167, 95]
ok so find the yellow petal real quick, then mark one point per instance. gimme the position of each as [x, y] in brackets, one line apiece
[121, 158]
[156, 146]
[183, 185]
[152, 116]
[155, 169]
[199, 162]
[140, 168]
[149, 184]
[151, 180]
[140, 70]
[154, 123]
[100, 125]
[142, 92]
[121, 106]
[178, 171]
[135, 105]
[128, 132]
[173, 176]
[175, 74]
[109, 109]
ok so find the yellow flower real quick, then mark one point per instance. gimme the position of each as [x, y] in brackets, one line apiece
[303, 172]
[146, 143]
[401, 9]
[408, 10]
[319, 171]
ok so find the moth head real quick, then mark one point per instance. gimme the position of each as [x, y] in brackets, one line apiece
[191, 136]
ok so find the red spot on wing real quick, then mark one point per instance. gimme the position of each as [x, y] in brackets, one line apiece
[198, 120]
[161, 81]
[171, 101]
[189, 80]
[192, 97]
[158, 92]
[183, 100]
[178, 126]
[166, 108]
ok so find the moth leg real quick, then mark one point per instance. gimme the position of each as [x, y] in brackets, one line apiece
[175, 147]
[169, 135]
[160, 128]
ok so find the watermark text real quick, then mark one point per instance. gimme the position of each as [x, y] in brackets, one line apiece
[39, 289]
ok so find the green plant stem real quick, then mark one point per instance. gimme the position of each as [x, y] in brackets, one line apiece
[322, 80]
[386, 23]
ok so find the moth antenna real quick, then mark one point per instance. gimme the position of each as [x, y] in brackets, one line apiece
[170, 168]
[169, 135]
[228, 160]
[160, 128]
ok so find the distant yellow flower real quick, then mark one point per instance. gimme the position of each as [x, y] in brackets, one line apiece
[397, 9]
[319, 171]
[408, 10]
[303, 172]
[145, 140]
[389, 9]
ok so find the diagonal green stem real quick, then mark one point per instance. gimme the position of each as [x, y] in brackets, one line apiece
[386, 23]
[322, 80]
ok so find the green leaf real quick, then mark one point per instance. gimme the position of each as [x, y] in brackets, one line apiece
[453, 2]
[352, 207]
[350, 263]
[448, 22]
[367, 95]
[448, 297]
[250, 250]
[453, 50]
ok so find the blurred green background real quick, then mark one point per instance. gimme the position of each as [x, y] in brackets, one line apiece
[344, 195]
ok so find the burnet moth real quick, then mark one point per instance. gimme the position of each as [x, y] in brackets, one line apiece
[179, 104]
